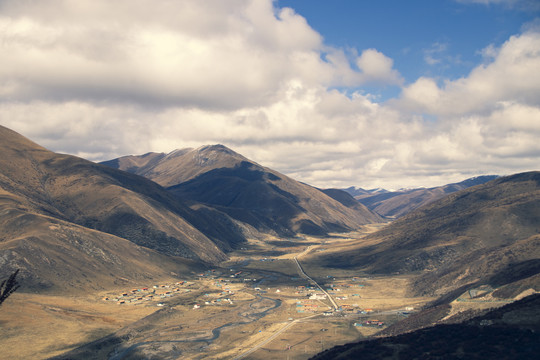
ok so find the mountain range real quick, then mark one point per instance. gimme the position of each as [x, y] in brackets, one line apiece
[394, 204]
[74, 224]
[486, 234]
[195, 205]
[70, 225]
[510, 332]
[265, 199]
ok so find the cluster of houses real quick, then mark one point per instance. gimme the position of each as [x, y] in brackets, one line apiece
[370, 323]
[235, 277]
[220, 301]
[302, 307]
[316, 296]
[302, 289]
[156, 292]
[221, 298]
[165, 291]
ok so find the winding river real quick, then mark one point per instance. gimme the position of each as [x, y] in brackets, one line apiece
[216, 332]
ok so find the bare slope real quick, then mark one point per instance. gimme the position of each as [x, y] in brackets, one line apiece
[64, 216]
[258, 196]
[55, 255]
[398, 203]
[481, 234]
[510, 332]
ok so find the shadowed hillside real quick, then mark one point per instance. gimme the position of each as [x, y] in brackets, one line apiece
[476, 235]
[398, 203]
[68, 221]
[265, 199]
[510, 332]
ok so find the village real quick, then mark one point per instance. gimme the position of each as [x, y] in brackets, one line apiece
[221, 288]
[220, 291]
[259, 301]
[254, 297]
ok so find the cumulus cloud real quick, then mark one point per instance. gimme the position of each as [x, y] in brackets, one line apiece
[187, 53]
[104, 79]
[511, 76]
[489, 118]
[376, 67]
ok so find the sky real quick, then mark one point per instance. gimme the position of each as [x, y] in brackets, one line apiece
[388, 93]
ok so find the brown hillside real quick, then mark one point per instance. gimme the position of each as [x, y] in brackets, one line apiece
[396, 204]
[510, 332]
[481, 233]
[60, 211]
[54, 255]
[255, 195]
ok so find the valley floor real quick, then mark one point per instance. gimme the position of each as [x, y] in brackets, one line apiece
[258, 305]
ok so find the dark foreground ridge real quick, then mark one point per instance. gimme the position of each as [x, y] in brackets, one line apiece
[510, 332]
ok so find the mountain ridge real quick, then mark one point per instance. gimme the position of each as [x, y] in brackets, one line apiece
[248, 192]
[44, 196]
[467, 237]
[510, 332]
[394, 204]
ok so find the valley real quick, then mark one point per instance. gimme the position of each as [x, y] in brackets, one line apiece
[213, 256]
[256, 305]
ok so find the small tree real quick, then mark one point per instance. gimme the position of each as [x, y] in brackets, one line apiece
[8, 286]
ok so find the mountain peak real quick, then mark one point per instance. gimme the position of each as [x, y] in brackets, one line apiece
[216, 155]
[264, 199]
[217, 148]
[214, 147]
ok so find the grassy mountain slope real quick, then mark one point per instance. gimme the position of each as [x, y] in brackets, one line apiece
[472, 236]
[255, 195]
[65, 213]
[398, 203]
[59, 256]
[510, 332]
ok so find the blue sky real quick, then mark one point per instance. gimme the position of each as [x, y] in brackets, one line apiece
[442, 39]
[332, 93]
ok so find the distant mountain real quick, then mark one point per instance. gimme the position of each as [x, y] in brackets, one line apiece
[395, 204]
[68, 222]
[264, 199]
[510, 332]
[359, 193]
[487, 234]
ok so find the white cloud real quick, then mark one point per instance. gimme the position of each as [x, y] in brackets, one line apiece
[424, 94]
[103, 79]
[511, 76]
[488, 119]
[184, 53]
[376, 67]
[187, 53]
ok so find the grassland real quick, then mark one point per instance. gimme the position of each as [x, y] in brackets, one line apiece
[255, 301]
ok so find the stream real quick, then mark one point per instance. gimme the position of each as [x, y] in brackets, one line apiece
[216, 332]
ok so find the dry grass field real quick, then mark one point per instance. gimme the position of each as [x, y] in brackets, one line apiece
[37, 326]
[253, 298]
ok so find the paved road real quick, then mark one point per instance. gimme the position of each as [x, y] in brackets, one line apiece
[303, 273]
[288, 325]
